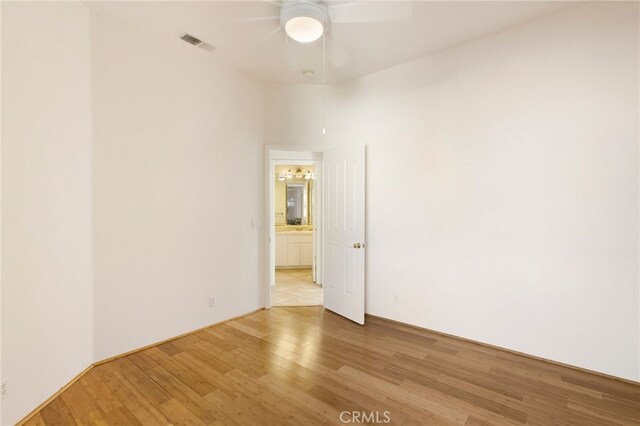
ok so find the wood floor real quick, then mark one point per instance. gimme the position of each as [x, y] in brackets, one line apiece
[307, 366]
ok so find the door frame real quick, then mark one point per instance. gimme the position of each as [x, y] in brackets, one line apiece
[286, 155]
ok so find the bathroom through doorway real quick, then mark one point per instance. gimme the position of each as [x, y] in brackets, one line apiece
[295, 221]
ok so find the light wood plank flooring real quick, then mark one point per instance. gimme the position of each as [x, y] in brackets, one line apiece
[295, 287]
[305, 366]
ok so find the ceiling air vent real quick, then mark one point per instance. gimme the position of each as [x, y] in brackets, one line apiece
[190, 39]
[197, 42]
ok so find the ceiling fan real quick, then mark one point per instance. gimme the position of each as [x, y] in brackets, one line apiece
[306, 21]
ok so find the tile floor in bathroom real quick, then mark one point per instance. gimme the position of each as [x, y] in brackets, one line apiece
[295, 287]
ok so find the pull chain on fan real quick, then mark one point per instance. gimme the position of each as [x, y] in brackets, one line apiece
[305, 21]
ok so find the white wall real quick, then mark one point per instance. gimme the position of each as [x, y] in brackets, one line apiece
[47, 309]
[178, 175]
[295, 114]
[522, 146]
[502, 190]
[136, 152]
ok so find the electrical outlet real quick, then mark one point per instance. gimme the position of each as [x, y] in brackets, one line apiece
[4, 389]
[396, 299]
[212, 302]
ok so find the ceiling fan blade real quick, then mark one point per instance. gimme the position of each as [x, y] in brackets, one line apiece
[273, 2]
[271, 33]
[273, 14]
[361, 12]
[301, 56]
[249, 19]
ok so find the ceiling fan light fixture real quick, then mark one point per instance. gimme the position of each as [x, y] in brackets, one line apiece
[304, 20]
[304, 29]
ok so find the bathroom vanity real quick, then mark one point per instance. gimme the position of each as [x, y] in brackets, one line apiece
[294, 210]
[294, 249]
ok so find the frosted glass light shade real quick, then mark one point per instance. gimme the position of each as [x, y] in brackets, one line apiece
[304, 29]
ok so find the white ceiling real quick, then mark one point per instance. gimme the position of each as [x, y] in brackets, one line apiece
[247, 37]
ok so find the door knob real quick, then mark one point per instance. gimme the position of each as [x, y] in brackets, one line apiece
[357, 245]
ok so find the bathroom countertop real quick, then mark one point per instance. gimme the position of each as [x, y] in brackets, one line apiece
[294, 228]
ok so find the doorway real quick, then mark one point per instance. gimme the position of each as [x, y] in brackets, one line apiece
[293, 196]
[337, 223]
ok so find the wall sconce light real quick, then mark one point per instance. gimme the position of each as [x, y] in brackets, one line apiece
[299, 174]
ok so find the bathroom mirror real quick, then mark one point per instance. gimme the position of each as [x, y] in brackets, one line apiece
[294, 195]
[298, 206]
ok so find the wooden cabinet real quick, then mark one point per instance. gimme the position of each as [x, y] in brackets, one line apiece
[294, 249]
[293, 254]
[306, 253]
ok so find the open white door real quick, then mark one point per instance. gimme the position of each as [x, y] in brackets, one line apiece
[344, 245]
